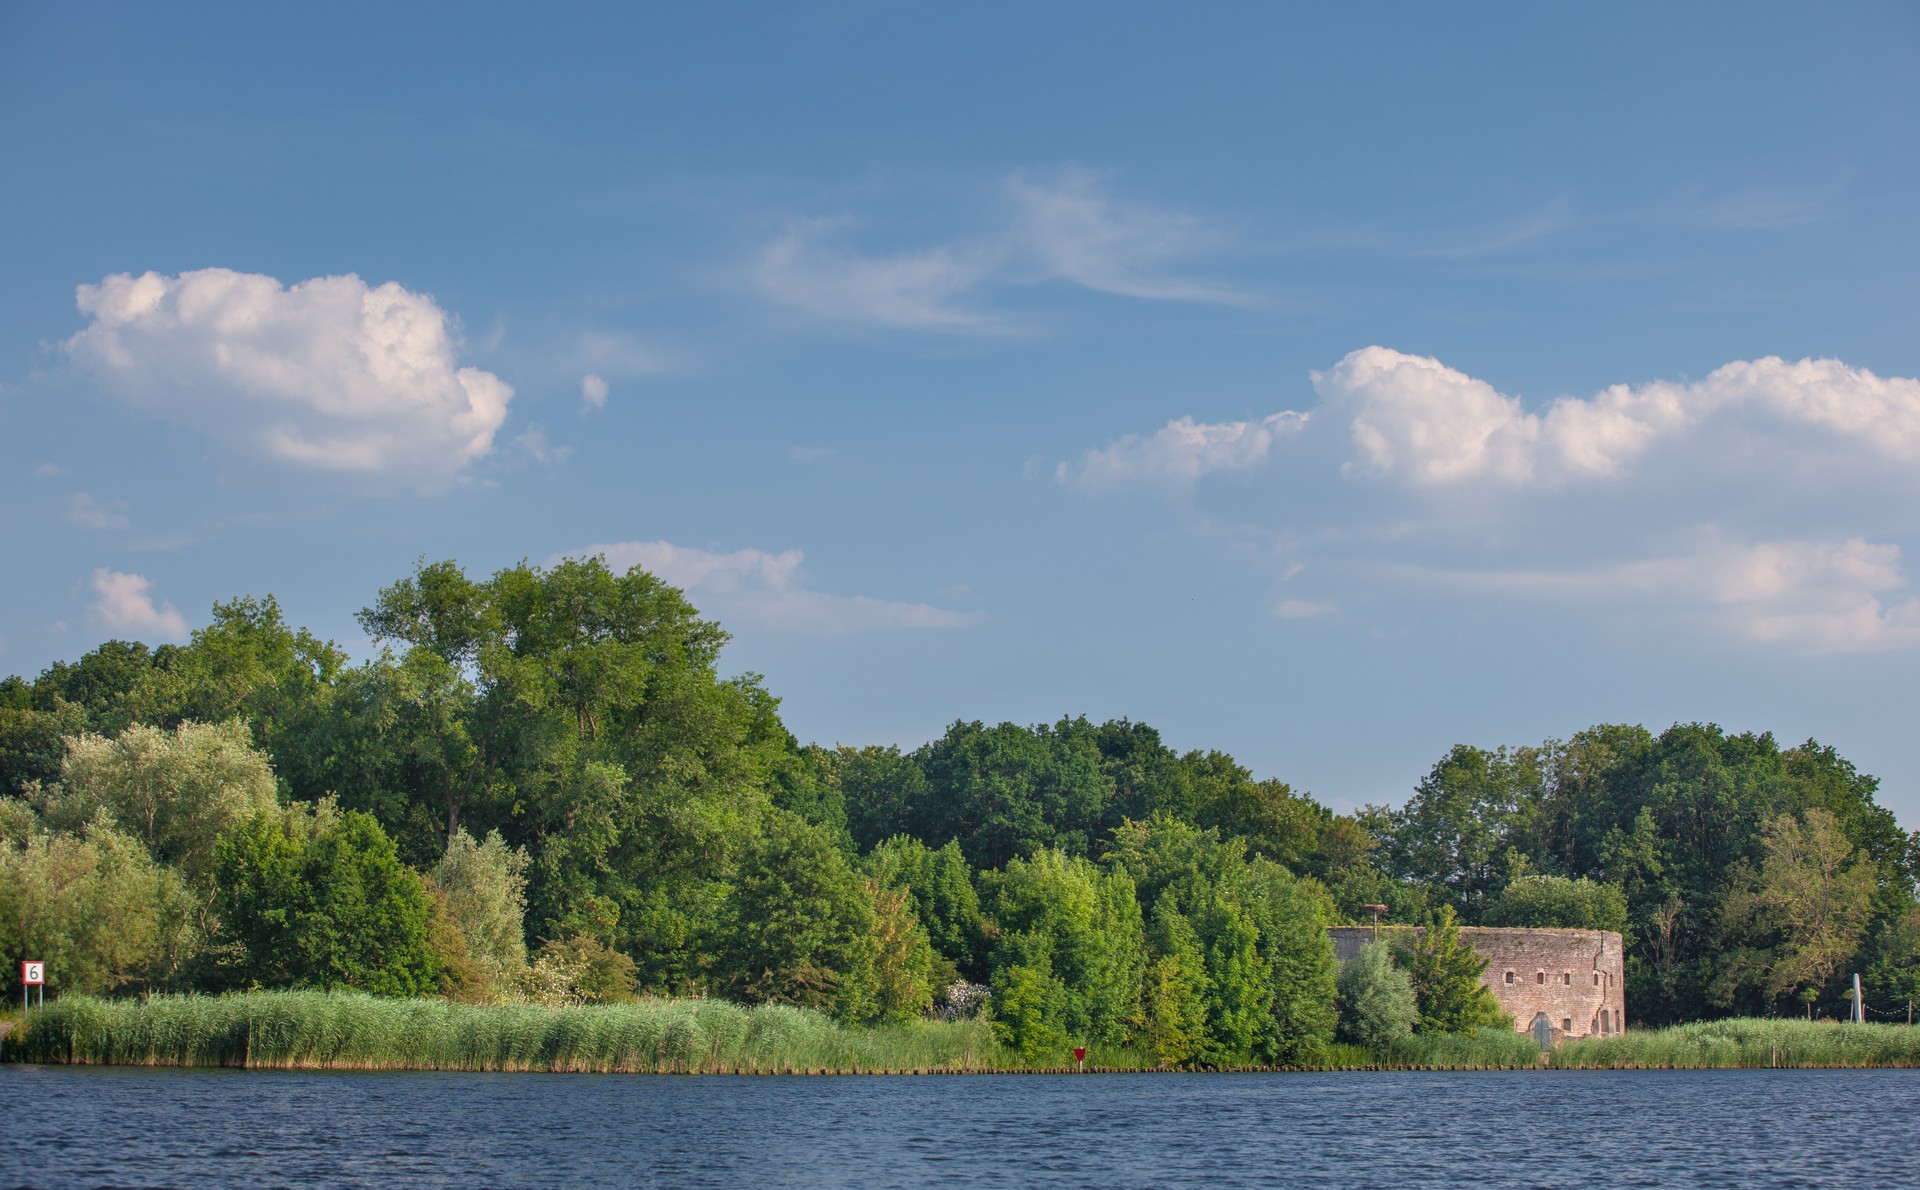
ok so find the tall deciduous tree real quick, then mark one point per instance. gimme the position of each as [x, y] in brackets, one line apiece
[1805, 912]
[797, 925]
[901, 962]
[483, 886]
[94, 906]
[1078, 929]
[1456, 832]
[1173, 1023]
[1005, 791]
[944, 898]
[176, 791]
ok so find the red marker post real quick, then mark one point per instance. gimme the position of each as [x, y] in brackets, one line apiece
[1080, 1057]
[33, 975]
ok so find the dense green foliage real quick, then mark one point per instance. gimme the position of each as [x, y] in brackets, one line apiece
[311, 898]
[1736, 858]
[1555, 902]
[543, 791]
[1445, 973]
[94, 907]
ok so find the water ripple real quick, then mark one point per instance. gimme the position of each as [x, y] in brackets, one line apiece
[139, 1127]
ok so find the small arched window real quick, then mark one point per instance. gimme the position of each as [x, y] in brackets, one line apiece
[1566, 977]
[1566, 1024]
[1509, 977]
[1596, 979]
[1540, 977]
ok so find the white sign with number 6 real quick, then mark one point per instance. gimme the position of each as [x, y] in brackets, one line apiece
[33, 973]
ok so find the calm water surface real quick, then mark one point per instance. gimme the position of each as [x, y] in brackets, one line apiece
[128, 1127]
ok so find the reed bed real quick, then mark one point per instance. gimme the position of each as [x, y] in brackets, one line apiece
[349, 1031]
[1479, 1050]
[1746, 1042]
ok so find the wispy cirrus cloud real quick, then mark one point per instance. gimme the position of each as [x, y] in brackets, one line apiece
[1667, 494]
[83, 510]
[769, 589]
[1061, 227]
[1845, 596]
[926, 290]
[1074, 231]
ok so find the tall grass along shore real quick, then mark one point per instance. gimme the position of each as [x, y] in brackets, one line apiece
[349, 1031]
[1747, 1042]
[319, 1030]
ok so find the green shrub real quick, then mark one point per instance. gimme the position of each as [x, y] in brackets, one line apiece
[1377, 1006]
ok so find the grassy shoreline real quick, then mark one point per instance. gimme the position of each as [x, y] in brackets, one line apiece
[349, 1031]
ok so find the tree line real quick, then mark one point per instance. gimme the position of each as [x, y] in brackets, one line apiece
[542, 787]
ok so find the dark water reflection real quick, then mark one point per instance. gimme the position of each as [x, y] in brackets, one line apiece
[66, 1127]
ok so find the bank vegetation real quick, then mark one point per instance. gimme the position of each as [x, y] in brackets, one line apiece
[542, 798]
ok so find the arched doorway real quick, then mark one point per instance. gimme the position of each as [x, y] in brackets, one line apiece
[1542, 1030]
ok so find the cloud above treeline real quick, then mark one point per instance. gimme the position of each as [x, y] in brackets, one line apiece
[1059, 227]
[1667, 496]
[768, 589]
[122, 604]
[328, 373]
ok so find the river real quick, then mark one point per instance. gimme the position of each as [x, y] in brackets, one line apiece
[221, 1128]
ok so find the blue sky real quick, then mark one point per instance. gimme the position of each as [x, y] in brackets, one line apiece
[1324, 387]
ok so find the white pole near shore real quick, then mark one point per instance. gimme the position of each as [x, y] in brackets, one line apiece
[1859, 1005]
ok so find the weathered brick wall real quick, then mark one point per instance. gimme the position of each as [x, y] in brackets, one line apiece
[1576, 978]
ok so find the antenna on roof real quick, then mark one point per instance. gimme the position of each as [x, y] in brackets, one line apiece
[1377, 911]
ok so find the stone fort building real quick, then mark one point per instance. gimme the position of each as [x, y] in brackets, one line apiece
[1555, 984]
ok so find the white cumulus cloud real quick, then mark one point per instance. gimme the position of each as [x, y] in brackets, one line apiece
[327, 373]
[1416, 418]
[122, 604]
[768, 588]
[1413, 418]
[1180, 453]
[1761, 499]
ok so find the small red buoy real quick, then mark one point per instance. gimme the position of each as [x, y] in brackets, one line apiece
[1080, 1057]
